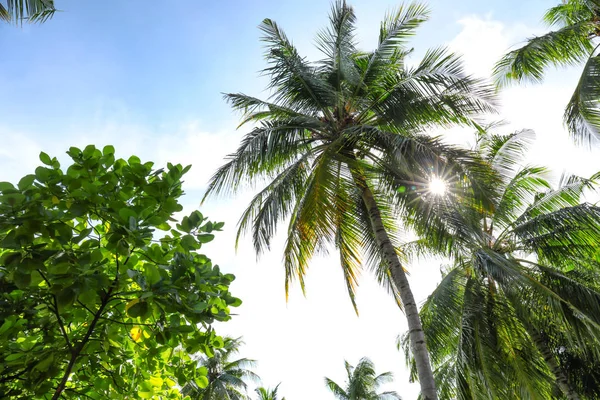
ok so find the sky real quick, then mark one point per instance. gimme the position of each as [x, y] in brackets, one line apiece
[148, 77]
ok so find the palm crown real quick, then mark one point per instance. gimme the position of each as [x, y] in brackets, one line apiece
[267, 394]
[573, 43]
[340, 143]
[363, 383]
[523, 287]
[226, 375]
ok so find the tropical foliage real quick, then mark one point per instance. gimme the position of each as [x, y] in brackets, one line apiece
[341, 144]
[268, 394]
[19, 11]
[363, 383]
[93, 304]
[522, 296]
[574, 42]
[225, 375]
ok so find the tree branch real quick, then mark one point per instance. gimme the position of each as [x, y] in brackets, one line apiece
[55, 310]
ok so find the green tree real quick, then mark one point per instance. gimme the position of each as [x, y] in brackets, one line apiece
[574, 42]
[94, 304]
[17, 11]
[340, 143]
[267, 394]
[225, 375]
[363, 383]
[523, 287]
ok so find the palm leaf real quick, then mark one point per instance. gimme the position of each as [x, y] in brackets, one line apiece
[567, 46]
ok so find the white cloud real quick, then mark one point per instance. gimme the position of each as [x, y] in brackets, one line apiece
[483, 40]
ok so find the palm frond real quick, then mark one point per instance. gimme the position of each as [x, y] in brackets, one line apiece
[567, 46]
[264, 152]
[19, 11]
[582, 114]
[292, 78]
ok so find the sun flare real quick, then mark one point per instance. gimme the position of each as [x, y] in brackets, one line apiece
[437, 186]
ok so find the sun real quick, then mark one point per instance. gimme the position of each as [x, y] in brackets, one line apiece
[437, 186]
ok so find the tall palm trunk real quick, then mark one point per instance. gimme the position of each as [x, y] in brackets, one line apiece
[415, 329]
[559, 374]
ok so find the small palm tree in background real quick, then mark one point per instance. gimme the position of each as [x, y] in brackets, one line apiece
[573, 43]
[19, 11]
[267, 394]
[524, 288]
[226, 376]
[363, 383]
[341, 145]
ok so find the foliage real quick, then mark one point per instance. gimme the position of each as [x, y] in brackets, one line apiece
[94, 303]
[573, 43]
[341, 146]
[225, 375]
[267, 394]
[334, 123]
[17, 11]
[522, 295]
[362, 383]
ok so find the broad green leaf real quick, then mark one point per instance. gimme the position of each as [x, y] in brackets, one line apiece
[45, 158]
[205, 237]
[4, 186]
[139, 310]
[152, 273]
[201, 381]
[107, 150]
[26, 182]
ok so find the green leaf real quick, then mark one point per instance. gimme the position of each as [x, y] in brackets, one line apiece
[201, 381]
[65, 298]
[45, 158]
[152, 273]
[26, 182]
[139, 310]
[14, 356]
[205, 237]
[133, 160]
[22, 279]
[4, 186]
[88, 296]
[156, 381]
[45, 363]
[189, 243]
[107, 150]
[126, 213]
[42, 174]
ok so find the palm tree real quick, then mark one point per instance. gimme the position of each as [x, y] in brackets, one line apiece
[267, 394]
[362, 383]
[17, 11]
[574, 42]
[225, 375]
[523, 288]
[341, 147]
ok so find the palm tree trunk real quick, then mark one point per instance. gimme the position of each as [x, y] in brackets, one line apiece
[559, 374]
[415, 329]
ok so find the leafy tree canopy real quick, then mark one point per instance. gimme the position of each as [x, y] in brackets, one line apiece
[94, 304]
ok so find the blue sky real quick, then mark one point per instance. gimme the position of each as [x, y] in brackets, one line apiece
[148, 79]
[168, 64]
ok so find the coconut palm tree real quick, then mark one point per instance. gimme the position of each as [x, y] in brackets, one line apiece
[17, 11]
[574, 42]
[341, 146]
[267, 394]
[226, 376]
[362, 383]
[523, 288]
